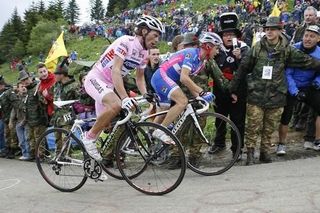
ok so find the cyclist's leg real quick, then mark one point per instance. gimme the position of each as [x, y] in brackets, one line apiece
[108, 106]
[181, 102]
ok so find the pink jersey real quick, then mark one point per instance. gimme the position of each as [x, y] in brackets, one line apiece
[129, 49]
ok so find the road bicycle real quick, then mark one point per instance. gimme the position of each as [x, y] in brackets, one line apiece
[67, 165]
[197, 130]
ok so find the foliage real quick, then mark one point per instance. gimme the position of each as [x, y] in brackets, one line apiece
[42, 36]
[72, 12]
[97, 10]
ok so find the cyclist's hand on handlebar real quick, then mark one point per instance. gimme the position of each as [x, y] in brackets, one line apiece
[207, 96]
[234, 98]
[128, 103]
[149, 97]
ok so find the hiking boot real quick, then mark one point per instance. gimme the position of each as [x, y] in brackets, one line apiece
[174, 163]
[250, 156]
[265, 157]
[308, 145]
[216, 149]
[3, 154]
[10, 154]
[281, 149]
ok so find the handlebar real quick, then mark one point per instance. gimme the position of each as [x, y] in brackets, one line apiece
[126, 118]
[205, 105]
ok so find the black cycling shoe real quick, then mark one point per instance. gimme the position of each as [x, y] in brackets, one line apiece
[216, 149]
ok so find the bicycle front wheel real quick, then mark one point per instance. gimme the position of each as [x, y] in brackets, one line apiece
[142, 159]
[216, 129]
[59, 157]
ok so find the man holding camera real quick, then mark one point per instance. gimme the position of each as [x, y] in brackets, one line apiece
[228, 60]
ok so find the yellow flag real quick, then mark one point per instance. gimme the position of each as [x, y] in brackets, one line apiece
[58, 49]
[275, 11]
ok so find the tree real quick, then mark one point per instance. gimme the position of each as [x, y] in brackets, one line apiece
[41, 8]
[7, 40]
[17, 25]
[31, 18]
[111, 6]
[18, 50]
[97, 10]
[43, 34]
[55, 10]
[72, 12]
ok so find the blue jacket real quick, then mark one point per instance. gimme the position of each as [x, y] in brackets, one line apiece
[298, 78]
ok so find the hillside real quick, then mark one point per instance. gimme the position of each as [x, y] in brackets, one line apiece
[91, 50]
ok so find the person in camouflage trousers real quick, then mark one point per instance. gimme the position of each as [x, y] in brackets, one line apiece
[7, 99]
[264, 67]
[66, 88]
[35, 109]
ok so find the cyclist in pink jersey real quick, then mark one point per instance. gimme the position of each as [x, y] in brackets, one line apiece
[124, 55]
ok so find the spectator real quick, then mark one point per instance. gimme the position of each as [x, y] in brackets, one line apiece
[74, 55]
[18, 117]
[7, 101]
[267, 85]
[304, 87]
[65, 89]
[85, 108]
[310, 18]
[47, 81]
[228, 60]
[36, 116]
[152, 66]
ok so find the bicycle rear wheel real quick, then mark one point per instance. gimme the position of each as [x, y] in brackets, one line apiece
[59, 157]
[199, 158]
[142, 159]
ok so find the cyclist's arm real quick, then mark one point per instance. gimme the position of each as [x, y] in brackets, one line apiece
[186, 80]
[141, 84]
[117, 77]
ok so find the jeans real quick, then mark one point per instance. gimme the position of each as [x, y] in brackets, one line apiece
[23, 142]
[2, 139]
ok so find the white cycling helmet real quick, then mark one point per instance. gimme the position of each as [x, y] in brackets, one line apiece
[151, 22]
[212, 38]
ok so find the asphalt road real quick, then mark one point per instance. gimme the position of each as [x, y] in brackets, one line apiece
[292, 186]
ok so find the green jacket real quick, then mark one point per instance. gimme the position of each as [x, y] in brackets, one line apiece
[270, 93]
[36, 114]
[212, 70]
[18, 113]
[64, 92]
[7, 100]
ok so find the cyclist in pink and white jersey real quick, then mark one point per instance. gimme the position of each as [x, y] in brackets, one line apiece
[124, 55]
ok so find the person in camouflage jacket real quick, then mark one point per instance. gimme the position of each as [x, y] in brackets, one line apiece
[66, 88]
[264, 66]
[7, 99]
[35, 108]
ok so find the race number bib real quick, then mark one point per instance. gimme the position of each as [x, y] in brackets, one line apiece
[67, 117]
[267, 72]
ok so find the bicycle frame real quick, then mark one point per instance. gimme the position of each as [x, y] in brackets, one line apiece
[183, 116]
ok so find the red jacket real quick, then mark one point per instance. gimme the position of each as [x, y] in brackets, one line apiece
[47, 84]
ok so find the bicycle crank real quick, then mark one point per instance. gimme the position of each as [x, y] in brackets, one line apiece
[92, 168]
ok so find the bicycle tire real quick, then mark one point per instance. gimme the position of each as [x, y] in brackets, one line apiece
[150, 160]
[205, 167]
[43, 155]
